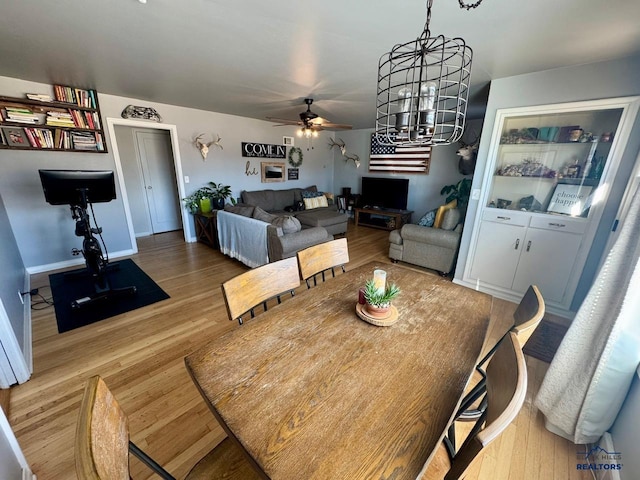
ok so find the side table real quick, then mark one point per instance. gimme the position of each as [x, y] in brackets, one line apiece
[207, 229]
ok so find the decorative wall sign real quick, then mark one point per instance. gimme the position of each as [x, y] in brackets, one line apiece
[272, 172]
[144, 113]
[287, 141]
[263, 150]
[389, 158]
[292, 173]
[249, 170]
[573, 200]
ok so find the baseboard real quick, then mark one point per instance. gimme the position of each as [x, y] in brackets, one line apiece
[27, 334]
[73, 262]
[565, 315]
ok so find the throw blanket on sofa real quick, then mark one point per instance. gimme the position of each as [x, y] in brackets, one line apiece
[243, 238]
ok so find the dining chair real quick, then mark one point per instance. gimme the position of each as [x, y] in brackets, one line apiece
[526, 319]
[102, 445]
[243, 293]
[506, 389]
[317, 260]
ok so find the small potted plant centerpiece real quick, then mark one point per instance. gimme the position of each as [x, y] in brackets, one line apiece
[206, 198]
[378, 301]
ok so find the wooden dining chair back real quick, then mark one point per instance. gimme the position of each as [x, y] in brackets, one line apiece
[529, 314]
[319, 259]
[102, 445]
[245, 292]
[526, 319]
[506, 389]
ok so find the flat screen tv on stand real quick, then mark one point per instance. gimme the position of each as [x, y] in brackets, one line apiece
[80, 189]
[384, 193]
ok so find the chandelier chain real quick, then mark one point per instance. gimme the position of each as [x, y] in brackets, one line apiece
[469, 6]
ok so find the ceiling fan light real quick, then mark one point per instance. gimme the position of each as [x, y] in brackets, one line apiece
[315, 133]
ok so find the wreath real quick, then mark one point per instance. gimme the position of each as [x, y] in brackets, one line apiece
[292, 152]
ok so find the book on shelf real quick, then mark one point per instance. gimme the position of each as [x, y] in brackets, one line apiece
[40, 97]
[77, 96]
[19, 115]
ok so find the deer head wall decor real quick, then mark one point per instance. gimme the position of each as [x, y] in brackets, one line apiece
[468, 154]
[343, 150]
[340, 144]
[204, 147]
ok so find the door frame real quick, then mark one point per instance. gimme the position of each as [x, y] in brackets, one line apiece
[177, 162]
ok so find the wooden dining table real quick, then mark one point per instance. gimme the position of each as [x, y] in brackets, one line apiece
[311, 391]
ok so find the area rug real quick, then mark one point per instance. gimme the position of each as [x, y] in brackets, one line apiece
[67, 288]
[545, 341]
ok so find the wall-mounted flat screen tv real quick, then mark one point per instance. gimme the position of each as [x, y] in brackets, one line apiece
[389, 193]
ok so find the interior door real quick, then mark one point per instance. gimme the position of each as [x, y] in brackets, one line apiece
[159, 179]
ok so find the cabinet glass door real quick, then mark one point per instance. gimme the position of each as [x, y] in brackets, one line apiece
[552, 162]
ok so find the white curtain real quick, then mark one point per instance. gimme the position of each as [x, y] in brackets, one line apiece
[592, 370]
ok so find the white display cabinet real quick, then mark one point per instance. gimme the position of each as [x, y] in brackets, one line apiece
[547, 177]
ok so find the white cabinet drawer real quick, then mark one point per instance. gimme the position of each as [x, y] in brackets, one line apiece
[568, 225]
[505, 216]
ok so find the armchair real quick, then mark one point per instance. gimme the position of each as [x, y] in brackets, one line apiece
[430, 247]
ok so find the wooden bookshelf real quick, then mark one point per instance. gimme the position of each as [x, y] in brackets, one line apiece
[70, 122]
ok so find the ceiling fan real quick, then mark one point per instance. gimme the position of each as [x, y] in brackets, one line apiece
[310, 122]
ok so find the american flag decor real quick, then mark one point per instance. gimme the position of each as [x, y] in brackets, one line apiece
[390, 158]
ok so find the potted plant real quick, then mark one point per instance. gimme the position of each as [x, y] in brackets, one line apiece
[205, 198]
[460, 191]
[378, 302]
[219, 194]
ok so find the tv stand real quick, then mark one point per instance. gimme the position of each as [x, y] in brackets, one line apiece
[383, 218]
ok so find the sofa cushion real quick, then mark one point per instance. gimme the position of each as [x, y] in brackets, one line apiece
[287, 223]
[315, 202]
[244, 210]
[260, 214]
[262, 198]
[451, 219]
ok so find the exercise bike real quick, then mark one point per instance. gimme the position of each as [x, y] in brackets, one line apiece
[80, 189]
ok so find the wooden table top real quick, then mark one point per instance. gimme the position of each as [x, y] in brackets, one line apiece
[313, 392]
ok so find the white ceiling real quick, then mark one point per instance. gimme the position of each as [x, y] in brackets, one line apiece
[259, 58]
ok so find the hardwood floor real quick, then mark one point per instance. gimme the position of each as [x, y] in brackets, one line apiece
[140, 356]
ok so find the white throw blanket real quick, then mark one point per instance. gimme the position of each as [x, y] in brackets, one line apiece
[243, 238]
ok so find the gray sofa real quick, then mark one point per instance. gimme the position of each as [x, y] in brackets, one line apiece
[285, 235]
[282, 202]
[428, 247]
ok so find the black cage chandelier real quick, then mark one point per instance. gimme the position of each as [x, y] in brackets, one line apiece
[423, 88]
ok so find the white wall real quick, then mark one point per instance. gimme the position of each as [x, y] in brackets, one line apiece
[45, 234]
[616, 78]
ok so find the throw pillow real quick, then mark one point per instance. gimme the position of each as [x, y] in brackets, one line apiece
[287, 223]
[329, 197]
[260, 214]
[311, 194]
[428, 219]
[317, 202]
[451, 219]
